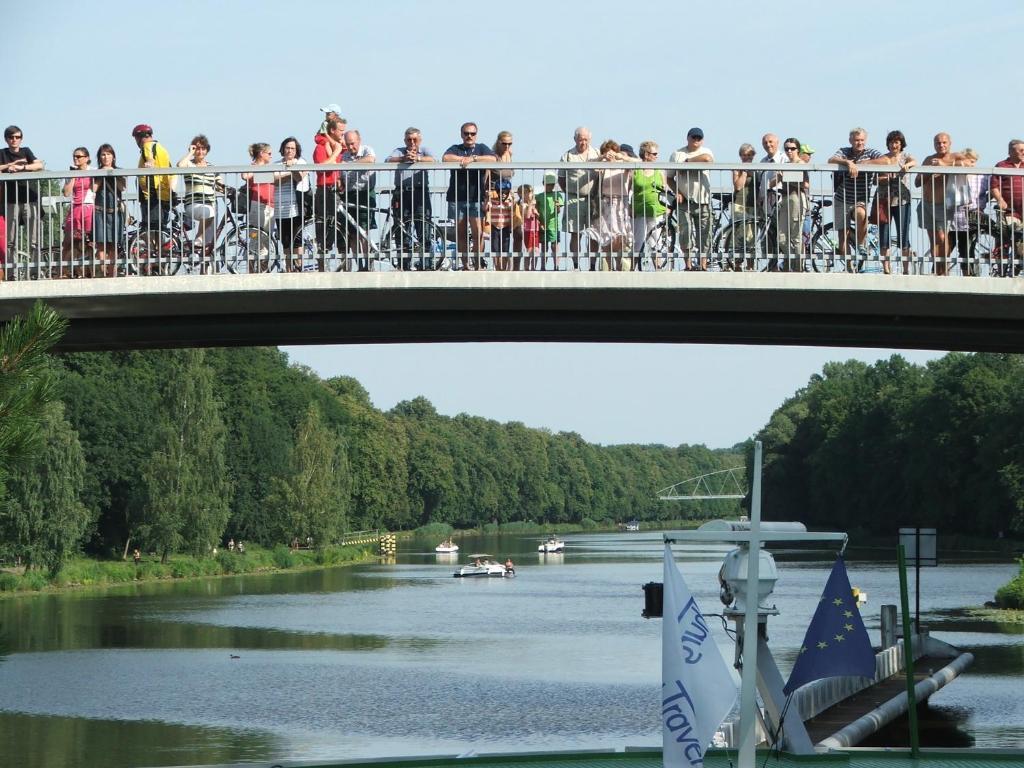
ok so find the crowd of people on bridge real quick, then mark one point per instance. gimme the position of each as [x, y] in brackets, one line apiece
[603, 215]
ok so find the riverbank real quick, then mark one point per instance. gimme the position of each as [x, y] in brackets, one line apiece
[1011, 595]
[87, 572]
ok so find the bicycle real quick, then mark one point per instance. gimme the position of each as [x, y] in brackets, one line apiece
[1001, 245]
[141, 255]
[237, 247]
[660, 243]
[400, 240]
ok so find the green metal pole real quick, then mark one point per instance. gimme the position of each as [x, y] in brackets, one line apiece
[908, 654]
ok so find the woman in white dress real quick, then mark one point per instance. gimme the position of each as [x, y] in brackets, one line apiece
[614, 226]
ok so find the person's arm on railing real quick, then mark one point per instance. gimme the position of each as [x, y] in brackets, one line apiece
[840, 159]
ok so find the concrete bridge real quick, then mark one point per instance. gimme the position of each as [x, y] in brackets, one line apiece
[925, 312]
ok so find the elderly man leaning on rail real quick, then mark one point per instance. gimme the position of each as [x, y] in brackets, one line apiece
[936, 216]
[853, 189]
[582, 194]
[411, 198]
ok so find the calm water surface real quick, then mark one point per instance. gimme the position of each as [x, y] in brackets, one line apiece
[399, 659]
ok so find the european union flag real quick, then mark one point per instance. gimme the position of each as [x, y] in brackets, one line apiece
[836, 644]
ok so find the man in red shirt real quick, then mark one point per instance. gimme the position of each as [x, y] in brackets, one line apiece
[1008, 191]
[325, 203]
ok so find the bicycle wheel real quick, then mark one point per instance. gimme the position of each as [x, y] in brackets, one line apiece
[262, 251]
[659, 245]
[142, 258]
[733, 245]
[231, 252]
[823, 249]
[306, 262]
[416, 244]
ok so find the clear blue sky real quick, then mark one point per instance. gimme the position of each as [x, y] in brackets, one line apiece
[252, 71]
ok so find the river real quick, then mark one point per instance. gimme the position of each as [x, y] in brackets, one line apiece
[402, 659]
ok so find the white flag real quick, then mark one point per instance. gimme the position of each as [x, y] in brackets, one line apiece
[697, 688]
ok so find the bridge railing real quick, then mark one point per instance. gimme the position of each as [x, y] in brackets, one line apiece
[607, 216]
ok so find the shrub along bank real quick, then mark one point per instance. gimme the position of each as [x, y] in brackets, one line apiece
[86, 572]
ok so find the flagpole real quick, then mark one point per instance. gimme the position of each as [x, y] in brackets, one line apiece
[748, 688]
[908, 651]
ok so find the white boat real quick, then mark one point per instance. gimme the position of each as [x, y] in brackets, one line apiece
[553, 544]
[633, 525]
[447, 546]
[481, 565]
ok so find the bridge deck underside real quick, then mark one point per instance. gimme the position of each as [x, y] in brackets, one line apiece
[981, 314]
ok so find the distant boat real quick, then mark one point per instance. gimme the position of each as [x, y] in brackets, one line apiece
[447, 546]
[553, 544]
[633, 525]
[481, 565]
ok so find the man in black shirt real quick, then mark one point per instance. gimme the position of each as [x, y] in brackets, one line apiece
[21, 198]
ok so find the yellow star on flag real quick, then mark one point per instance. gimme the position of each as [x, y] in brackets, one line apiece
[837, 601]
[822, 645]
[839, 638]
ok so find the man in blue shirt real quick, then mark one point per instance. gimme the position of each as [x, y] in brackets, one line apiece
[467, 192]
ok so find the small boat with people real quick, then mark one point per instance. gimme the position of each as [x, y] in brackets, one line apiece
[483, 565]
[552, 544]
[447, 546]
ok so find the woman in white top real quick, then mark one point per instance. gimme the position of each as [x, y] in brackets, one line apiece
[963, 197]
[614, 226]
[201, 191]
[289, 214]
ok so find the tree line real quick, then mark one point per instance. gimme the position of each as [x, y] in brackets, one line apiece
[870, 448]
[175, 451]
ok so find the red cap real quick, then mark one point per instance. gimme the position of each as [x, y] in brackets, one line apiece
[141, 129]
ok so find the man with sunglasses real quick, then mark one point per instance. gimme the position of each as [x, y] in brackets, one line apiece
[467, 192]
[21, 197]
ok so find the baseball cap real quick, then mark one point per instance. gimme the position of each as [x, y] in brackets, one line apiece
[331, 108]
[806, 149]
[695, 133]
[550, 177]
[628, 149]
[141, 129]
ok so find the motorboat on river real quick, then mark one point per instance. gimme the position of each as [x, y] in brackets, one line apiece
[481, 565]
[447, 546]
[553, 544]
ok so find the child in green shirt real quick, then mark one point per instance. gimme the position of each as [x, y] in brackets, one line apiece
[549, 206]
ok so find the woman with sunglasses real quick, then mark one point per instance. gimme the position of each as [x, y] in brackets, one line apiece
[793, 187]
[78, 224]
[649, 185]
[499, 213]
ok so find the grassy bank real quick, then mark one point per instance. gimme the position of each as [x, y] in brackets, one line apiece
[86, 572]
[1011, 595]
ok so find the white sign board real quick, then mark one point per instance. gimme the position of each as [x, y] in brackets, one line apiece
[920, 546]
